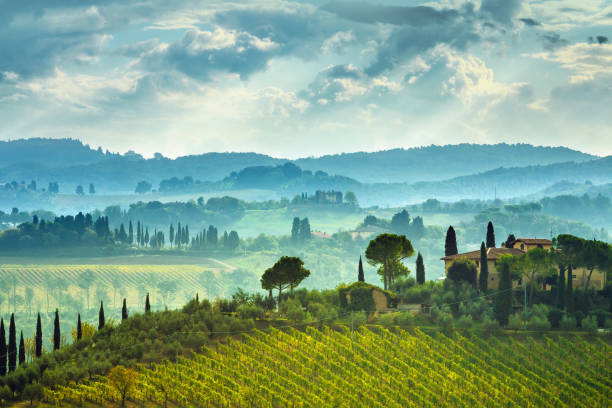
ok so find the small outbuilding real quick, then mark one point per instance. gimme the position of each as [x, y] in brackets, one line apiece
[364, 296]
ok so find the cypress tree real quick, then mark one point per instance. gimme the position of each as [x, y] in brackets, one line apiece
[101, 316]
[21, 350]
[503, 301]
[79, 328]
[420, 270]
[569, 293]
[483, 278]
[561, 288]
[12, 345]
[450, 246]
[2, 349]
[490, 235]
[147, 304]
[360, 276]
[38, 337]
[56, 332]
[124, 312]
[295, 229]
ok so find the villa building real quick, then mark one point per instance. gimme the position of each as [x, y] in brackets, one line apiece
[519, 247]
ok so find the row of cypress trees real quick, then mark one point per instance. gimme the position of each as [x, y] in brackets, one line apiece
[10, 354]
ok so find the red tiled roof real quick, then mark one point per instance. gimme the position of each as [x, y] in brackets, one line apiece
[535, 241]
[493, 254]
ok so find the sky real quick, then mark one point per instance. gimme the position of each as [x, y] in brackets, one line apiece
[306, 78]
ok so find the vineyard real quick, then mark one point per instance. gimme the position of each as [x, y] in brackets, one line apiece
[374, 367]
[51, 283]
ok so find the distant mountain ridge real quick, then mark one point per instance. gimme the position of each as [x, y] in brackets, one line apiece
[70, 162]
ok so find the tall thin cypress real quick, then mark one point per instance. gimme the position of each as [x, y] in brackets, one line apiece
[561, 288]
[450, 246]
[483, 278]
[147, 304]
[101, 316]
[12, 345]
[57, 335]
[420, 269]
[79, 328]
[38, 337]
[124, 312]
[503, 301]
[360, 276]
[21, 350]
[569, 293]
[2, 349]
[490, 235]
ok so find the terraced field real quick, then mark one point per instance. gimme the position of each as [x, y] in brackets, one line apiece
[372, 367]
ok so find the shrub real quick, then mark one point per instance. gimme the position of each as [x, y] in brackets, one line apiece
[324, 313]
[293, 310]
[590, 324]
[579, 316]
[465, 322]
[538, 323]
[404, 319]
[359, 318]
[247, 311]
[515, 322]
[447, 323]
[489, 323]
[554, 317]
[386, 319]
[567, 322]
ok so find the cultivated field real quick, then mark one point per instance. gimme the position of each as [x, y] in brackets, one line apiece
[372, 367]
[43, 286]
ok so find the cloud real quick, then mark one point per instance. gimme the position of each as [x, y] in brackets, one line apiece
[600, 39]
[502, 11]
[585, 61]
[472, 81]
[201, 53]
[346, 83]
[338, 42]
[551, 41]
[398, 15]
[530, 22]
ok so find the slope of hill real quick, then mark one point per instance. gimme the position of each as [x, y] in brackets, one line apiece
[71, 163]
[435, 163]
[57, 152]
[369, 367]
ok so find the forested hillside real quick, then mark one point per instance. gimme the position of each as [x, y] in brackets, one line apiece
[70, 163]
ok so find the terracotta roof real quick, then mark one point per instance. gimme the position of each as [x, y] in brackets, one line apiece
[492, 254]
[535, 241]
[320, 234]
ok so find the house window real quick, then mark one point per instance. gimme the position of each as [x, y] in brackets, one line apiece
[573, 276]
[522, 247]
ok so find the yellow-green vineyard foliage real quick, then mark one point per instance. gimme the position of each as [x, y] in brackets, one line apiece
[372, 367]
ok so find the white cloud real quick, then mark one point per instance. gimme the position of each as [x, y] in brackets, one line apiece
[584, 60]
[472, 81]
[337, 43]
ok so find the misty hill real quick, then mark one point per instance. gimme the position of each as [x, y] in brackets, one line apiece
[435, 163]
[57, 152]
[70, 163]
[565, 187]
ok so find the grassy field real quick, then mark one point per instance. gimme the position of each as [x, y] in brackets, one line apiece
[374, 367]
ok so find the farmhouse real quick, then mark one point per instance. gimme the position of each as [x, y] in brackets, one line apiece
[519, 247]
[493, 255]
